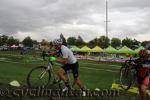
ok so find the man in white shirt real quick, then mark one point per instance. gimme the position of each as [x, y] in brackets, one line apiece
[70, 63]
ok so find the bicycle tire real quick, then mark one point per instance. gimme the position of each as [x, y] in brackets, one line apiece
[39, 69]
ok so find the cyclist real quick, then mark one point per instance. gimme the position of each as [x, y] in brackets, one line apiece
[70, 63]
[142, 64]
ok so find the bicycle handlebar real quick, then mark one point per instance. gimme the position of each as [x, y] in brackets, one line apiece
[50, 58]
[132, 62]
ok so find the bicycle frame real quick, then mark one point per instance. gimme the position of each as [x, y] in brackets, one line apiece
[50, 67]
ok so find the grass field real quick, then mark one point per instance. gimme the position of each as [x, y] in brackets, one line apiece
[92, 74]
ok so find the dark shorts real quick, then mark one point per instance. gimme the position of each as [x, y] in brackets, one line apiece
[74, 67]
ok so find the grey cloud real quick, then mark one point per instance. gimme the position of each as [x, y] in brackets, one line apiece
[129, 3]
[35, 15]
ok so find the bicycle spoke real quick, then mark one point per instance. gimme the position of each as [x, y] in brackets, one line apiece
[42, 74]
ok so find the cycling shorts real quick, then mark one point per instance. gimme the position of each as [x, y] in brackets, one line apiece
[73, 67]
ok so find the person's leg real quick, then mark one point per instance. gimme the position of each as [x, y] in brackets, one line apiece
[78, 82]
[61, 74]
[143, 92]
[143, 88]
[76, 75]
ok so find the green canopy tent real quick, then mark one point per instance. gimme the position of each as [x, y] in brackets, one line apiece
[110, 49]
[97, 49]
[138, 49]
[75, 49]
[126, 50]
[85, 49]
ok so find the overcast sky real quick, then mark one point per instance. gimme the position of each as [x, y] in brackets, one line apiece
[46, 19]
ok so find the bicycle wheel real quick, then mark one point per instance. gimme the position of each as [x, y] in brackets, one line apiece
[127, 77]
[38, 76]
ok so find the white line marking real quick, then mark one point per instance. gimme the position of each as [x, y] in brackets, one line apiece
[18, 62]
[60, 64]
[96, 68]
[10, 61]
[102, 64]
[100, 69]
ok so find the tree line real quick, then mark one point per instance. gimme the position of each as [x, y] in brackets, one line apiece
[102, 41]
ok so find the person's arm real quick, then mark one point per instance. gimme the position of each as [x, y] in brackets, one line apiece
[52, 53]
[62, 60]
[65, 56]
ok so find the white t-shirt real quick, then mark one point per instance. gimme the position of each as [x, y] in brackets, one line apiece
[67, 53]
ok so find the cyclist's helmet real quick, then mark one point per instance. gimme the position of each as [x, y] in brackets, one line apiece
[57, 42]
[143, 53]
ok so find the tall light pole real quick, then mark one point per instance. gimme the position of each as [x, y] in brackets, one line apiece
[107, 18]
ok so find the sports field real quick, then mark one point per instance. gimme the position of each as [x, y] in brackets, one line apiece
[14, 66]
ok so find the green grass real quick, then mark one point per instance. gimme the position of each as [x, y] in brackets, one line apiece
[19, 72]
[92, 74]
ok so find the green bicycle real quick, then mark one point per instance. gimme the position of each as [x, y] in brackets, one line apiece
[44, 75]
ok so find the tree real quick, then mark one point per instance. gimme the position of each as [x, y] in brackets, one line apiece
[17, 41]
[1, 43]
[115, 42]
[44, 43]
[35, 42]
[63, 39]
[3, 40]
[80, 41]
[93, 43]
[71, 41]
[11, 41]
[135, 44]
[127, 42]
[146, 44]
[103, 41]
[28, 42]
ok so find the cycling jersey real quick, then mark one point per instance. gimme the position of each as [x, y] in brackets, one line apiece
[143, 71]
[72, 61]
[67, 53]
